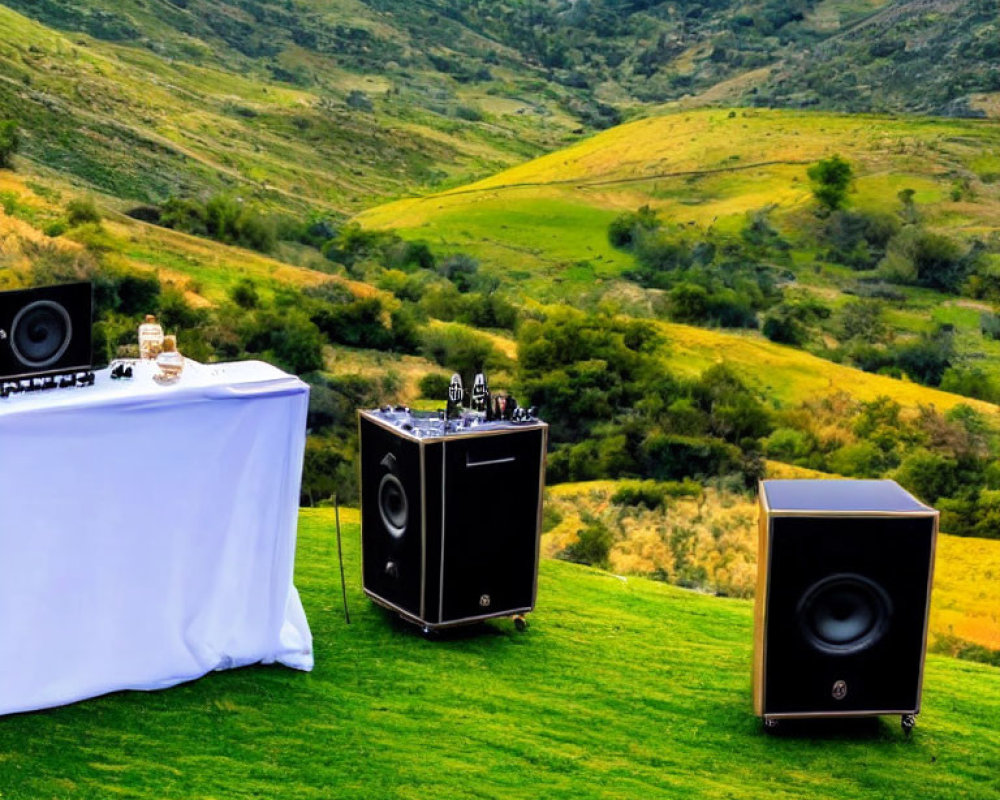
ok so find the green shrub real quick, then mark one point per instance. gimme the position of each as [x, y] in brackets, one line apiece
[788, 444]
[625, 229]
[971, 382]
[434, 386]
[10, 142]
[461, 350]
[358, 323]
[224, 218]
[81, 212]
[289, 339]
[461, 270]
[927, 259]
[244, 294]
[863, 320]
[592, 546]
[989, 324]
[831, 178]
[670, 457]
[654, 494]
[928, 475]
[783, 327]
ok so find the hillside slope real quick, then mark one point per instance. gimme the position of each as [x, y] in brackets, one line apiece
[155, 111]
[335, 106]
[618, 689]
[542, 227]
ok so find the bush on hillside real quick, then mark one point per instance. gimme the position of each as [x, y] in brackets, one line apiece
[434, 386]
[244, 294]
[831, 178]
[461, 350]
[654, 494]
[10, 142]
[859, 239]
[592, 546]
[224, 218]
[923, 258]
[863, 320]
[626, 228]
[81, 212]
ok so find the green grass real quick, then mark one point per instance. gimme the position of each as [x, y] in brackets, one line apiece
[619, 689]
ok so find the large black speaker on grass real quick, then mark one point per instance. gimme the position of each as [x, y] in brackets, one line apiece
[843, 592]
[45, 331]
[450, 516]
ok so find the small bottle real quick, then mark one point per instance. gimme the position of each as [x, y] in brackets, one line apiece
[170, 362]
[150, 338]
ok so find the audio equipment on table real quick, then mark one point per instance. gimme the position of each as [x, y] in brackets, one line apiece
[843, 592]
[45, 337]
[451, 509]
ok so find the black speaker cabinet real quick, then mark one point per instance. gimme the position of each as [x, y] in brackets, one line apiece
[450, 516]
[843, 592]
[45, 331]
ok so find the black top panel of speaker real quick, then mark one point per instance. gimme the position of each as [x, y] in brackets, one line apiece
[841, 496]
[429, 425]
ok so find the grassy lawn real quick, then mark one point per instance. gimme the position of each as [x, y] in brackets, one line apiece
[620, 689]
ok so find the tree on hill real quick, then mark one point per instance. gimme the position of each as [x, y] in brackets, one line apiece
[10, 141]
[831, 178]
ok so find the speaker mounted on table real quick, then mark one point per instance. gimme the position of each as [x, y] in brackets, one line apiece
[843, 595]
[45, 331]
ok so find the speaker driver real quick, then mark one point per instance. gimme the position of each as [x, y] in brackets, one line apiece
[40, 334]
[392, 505]
[844, 614]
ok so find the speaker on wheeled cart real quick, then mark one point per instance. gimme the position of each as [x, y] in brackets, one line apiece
[843, 594]
[450, 516]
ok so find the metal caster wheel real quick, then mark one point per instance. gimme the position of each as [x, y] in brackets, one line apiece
[520, 623]
[770, 725]
[908, 721]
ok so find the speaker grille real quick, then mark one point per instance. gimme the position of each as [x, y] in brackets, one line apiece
[844, 614]
[40, 334]
[392, 505]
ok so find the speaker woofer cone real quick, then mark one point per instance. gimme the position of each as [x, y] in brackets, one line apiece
[40, 334]
[844, 614]
[392, 505]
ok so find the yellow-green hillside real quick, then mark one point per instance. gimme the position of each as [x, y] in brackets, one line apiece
[710, 166]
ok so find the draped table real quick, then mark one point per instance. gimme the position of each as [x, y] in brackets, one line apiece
[147, 532]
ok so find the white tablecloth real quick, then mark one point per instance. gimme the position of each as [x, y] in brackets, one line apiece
[147, 533]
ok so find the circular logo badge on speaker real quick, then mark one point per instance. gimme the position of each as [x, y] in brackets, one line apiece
[839, 690]
[392, 505]
[40, 334]
[844, 614]
[484, 601]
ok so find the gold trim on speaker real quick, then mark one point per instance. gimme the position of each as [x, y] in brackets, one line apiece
[927, 611]
[760, 599]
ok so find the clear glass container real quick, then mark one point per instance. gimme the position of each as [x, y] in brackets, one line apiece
[170, 362]
[150, 338]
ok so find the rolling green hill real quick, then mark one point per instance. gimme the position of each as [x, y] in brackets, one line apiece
[157, 111]
[620, 688]
[332, 107]
[542, 227]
